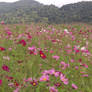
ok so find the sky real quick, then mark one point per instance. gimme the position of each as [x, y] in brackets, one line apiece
[55, 2]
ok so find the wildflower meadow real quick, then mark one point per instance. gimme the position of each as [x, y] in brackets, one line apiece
[45, 58]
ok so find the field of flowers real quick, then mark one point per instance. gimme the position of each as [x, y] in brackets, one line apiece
[46, 58]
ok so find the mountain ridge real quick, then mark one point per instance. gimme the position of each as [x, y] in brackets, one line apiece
[27, 11]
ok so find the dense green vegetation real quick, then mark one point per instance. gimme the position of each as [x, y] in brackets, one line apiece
[26, 11]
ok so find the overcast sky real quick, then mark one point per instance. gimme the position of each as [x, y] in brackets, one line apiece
[55, 2]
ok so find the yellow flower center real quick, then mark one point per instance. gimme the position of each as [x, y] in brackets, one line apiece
[34, 84]
[44, 79]
[63, 79]
[42, 55]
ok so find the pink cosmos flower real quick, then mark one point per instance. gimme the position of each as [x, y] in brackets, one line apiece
[74, 86]
[51, 71]
[11, 84]
[0, 82]
[56, 74]
[19, 36]
[85, 75]
[63, 79]
[16, 84]
[31, 48]
[76, 67]
[9, 33]
[73, 38]
[76, 49]
[66, 31]
[64, 65]
[70, 33]
[6, 58]
[53, 89]
[57, 84]
[16, 90]
[44, 78]
[86, 52]
[72, 60]
[51, 51]
[69, 51]
[45, 72]
[9, 49]
[28, 80]
[2, 22]
[56, 57]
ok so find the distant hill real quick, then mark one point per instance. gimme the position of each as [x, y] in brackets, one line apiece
[80, 12]
[27, 11]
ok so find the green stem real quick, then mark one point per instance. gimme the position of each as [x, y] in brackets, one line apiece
[34, 89]
[48, 64]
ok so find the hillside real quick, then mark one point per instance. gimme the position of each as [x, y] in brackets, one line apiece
[26, 11]
[80, 12]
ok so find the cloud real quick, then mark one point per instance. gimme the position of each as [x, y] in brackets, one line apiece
[55, 2]
[60, 2]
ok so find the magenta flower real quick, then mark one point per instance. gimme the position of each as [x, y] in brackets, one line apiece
[16, 84]
[29, 36]
[5, 68]
[9, 78]
[34, 83]
[76, 49]
[23, 42]
[2, 49]
[0, 82]
[42, 55]
[57, 84]
[32, 50]
[74, 86]
[9, 33]
[86, 66]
